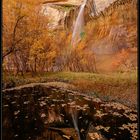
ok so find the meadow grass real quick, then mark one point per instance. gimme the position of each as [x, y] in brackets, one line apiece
[120, 87]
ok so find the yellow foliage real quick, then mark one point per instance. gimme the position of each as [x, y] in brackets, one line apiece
[83, 61]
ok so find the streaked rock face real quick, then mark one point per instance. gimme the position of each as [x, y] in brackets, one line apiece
[40, 111]
[54, 15]
[62, 12]
[57, 11]
[102, 4]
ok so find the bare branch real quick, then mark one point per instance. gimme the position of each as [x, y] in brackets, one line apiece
[14, 31]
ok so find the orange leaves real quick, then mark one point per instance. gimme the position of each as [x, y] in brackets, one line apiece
[120, 58]
[43, 51]
[51, 55]
[124, 54]
[81, 45]
[68, 41]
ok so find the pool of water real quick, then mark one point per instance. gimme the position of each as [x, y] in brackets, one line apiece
[50, 113]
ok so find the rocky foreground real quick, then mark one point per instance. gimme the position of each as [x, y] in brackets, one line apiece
[44, 111]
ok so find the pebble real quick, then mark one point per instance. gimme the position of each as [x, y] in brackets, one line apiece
[16, 135]
[14, 102]
[43, 115]
[16, 112]
[26, 102]
[5, 105]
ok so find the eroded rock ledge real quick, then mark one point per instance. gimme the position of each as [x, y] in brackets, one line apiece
[63, 13]
[43, 111]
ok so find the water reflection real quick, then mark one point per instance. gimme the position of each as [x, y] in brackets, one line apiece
[55, 114]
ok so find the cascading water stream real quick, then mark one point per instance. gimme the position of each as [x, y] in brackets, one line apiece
[78, 28]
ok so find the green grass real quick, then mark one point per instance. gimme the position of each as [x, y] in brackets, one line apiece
[120, 87]
[113, 78]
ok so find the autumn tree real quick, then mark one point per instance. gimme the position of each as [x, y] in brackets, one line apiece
[23, 25]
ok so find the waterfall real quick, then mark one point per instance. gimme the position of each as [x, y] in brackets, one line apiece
[79, 24]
